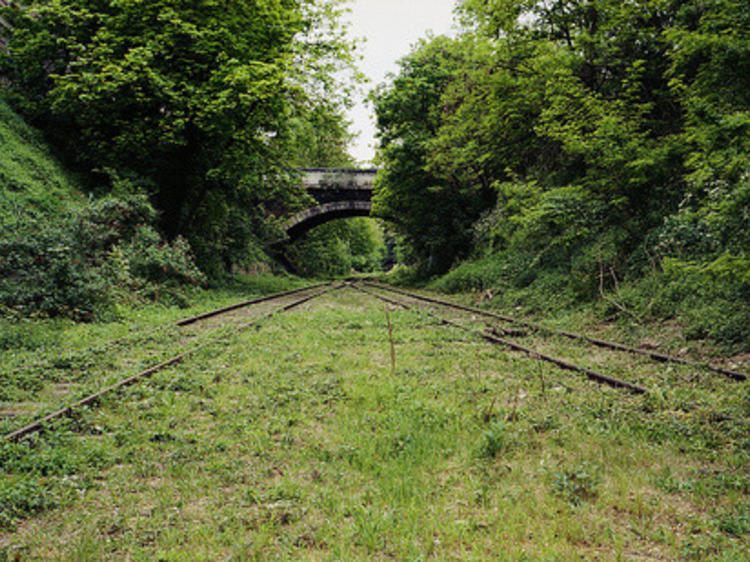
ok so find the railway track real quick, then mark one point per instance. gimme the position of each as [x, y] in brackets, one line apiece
[238, 322]
[206, 330]
[592, 375]
[607, 345]
[140, 333]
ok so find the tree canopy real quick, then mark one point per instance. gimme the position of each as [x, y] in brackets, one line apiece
[573, 145]
[573, 127]
[206, 103]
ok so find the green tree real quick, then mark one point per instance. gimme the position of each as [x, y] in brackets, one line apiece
[194, 97]
[338, 248]
[536, 103]
[432, 212]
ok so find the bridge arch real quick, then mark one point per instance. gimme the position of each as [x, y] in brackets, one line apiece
[336, 193]
[303, 221]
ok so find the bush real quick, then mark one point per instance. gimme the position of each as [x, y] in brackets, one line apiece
[472, 276]
[78, 266]
[711, 299]
[156, 261]
[43, 272]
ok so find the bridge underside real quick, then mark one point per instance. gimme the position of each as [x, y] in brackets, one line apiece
[303, 221]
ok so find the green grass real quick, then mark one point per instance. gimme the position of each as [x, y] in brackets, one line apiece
[47, 363]
[295, 441]
[32, 181]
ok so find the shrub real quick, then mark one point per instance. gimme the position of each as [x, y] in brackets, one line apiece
[469, 276]
[712, 299]
[152, 259]
[43, 271]
[77, 266]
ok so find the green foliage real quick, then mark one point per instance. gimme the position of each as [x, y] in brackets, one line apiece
[495, 440]
[475, 275]
[735, 522]
[77, 266]
[47, 458]
[208, 103]
[20, 499]
[321, 136]
[578, 147]
[339, 248]
[433, 214]
[710, 300]
[32, 182]
[369, 458]
[577, 484]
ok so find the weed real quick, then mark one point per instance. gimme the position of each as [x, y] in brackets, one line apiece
[498, 438]
[705, 483]
[577, 484]
[22, 498]
[306, 448]
[544, 424]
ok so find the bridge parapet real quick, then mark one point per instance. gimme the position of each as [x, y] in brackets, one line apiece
[338, 179]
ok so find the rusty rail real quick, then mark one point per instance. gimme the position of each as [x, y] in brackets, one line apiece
[100, 347]
[245, 304]
[590, 374]
[661, 357]
[40, 424]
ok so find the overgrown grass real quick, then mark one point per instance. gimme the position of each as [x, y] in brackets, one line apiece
[263, 284]
[45, 360]
[705, 307]
[32, 181]
[296, 441]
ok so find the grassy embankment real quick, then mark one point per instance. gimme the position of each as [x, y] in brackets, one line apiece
[297, 441]
[34, 184]
[32, 181]
[698, 310]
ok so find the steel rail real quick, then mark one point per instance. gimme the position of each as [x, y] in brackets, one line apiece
[40, 424]
[661, 357]
[590, 374]
[100, 347]
[245, 304]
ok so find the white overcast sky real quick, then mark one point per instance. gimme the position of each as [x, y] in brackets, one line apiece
[390, 28]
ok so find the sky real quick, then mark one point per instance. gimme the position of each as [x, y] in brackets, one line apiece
[390, 27]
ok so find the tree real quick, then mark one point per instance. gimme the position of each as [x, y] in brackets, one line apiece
[536, 102]
[431, 211]
[192, 97]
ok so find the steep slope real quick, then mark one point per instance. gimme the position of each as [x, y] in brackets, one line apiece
[32, 181]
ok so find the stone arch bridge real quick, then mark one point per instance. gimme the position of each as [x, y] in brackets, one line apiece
[338, 192]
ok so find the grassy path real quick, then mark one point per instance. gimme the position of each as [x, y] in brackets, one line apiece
[296, 441]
